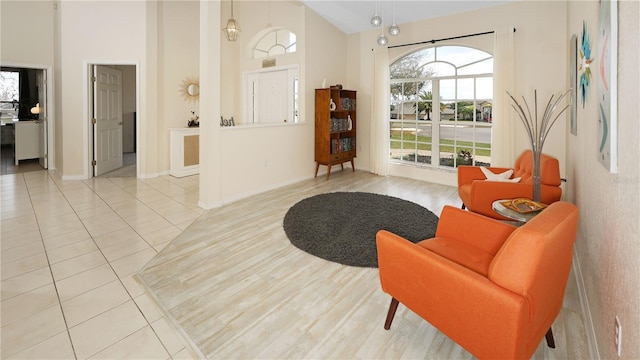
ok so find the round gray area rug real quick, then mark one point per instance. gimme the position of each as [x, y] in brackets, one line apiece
[342, 226]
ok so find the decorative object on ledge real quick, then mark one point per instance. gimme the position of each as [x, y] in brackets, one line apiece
[538, 130]
[194, 121]
[225, 122]
[585, 61]
[232, 29]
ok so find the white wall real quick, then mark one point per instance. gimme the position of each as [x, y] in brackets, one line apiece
[256, 158]
[84, 41]
[160, 38]
[607, 245]
[26, 35]
[178, 62]
[541, 64]
[32, 46]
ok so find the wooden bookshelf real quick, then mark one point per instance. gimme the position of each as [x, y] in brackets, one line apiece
[335, 128]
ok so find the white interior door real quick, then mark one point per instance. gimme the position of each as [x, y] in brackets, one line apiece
[107, 120]
[43, 119]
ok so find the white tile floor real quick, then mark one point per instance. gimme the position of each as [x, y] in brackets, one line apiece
[69, 250]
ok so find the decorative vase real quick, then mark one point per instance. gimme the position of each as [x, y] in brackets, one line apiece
[332, 105]
[349, 123]
[538, 130]
[536, 173]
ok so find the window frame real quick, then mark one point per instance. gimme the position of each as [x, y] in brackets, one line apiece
[407, 146]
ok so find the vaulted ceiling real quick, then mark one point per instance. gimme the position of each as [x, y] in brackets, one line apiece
[355, 16]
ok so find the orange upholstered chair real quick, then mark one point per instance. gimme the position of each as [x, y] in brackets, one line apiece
[493, 288]
[477, 193]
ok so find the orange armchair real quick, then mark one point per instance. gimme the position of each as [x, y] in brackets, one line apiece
[477, 193]
[493, 288]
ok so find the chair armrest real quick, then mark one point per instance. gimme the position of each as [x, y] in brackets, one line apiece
[484, 193]
[467, 173]
[447, 295]
[476, 230]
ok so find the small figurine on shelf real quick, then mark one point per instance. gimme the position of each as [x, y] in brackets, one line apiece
[194, 121]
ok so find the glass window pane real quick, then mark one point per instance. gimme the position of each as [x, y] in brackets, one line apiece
[484, 108]
[484, 88]
[276, 50]
[446, 155]
[465, 88]
[9, 95]
[448, 89]
[442, 69]
[447, 111]
[412, 66]
[482, 67]
[408, 110]
[465, 111]
[460, 55]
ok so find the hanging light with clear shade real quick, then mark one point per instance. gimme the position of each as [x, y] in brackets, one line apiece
[232, 29]
[394, 29]
[375, 19]
[382, 40]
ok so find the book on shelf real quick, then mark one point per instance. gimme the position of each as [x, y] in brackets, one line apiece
[347, 104]
[342, 145]
[339, 124]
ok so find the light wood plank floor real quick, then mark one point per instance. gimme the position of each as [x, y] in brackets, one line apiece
[235, 287]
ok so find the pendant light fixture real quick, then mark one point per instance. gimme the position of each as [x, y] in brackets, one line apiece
[232, 29]
[382, 40]
[375, 19]
[394, 29]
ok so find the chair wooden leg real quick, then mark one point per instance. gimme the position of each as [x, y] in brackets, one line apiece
[550, 342]
[392, 312]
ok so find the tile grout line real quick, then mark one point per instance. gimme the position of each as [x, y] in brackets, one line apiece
[53, 279]
[131, 297]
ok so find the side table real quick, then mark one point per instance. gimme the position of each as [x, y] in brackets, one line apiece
[512, 214]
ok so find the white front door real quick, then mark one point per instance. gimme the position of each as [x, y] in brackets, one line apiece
[273, 101]
[43, 119]
[107, 123]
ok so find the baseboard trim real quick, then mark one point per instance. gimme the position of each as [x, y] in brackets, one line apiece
[584, 305]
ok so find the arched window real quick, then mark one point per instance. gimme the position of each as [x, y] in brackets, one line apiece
[441, 100]
[275, 42]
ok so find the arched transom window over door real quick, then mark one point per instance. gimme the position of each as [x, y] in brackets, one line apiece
[275, 42]
[440, 113]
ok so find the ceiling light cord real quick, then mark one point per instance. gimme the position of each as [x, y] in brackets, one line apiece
[269, 14]
[382, 40]
[394, 29]
[375, 19]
